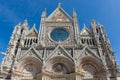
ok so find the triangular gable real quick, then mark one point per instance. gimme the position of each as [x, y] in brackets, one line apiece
[88, 52]
[59, 15]
[32, 52]
[85, 31]
[32, 32]
[59, 51]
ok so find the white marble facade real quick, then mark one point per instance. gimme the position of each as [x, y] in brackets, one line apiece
[60, 50]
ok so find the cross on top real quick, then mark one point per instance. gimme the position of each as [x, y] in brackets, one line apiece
[59, 4]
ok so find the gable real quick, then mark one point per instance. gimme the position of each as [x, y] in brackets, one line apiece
[85, 31]
[88, 52]
[32, 52]
[59, 51]
[32, 33]
[59, 15]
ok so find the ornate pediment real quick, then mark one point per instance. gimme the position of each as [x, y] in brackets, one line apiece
[32, 52]
[32, 32]
[59, 15]
[85, 31]
[88, 52]
[59, 51]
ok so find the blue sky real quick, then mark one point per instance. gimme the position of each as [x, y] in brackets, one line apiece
[106, 12]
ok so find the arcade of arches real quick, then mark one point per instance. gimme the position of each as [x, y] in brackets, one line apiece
[59, 68]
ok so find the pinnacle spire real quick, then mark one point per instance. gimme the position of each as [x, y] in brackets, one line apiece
[44, 13]
[34, 25]
[74, 13]
[93, 22]
[59, 4]
[25, 23]
[84, 26]
[74, 10]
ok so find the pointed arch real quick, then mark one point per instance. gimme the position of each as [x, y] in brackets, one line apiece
[29, 60]
[91, 68]
[28, 68]
[69, 65]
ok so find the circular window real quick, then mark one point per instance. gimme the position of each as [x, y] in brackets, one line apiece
[59, 34]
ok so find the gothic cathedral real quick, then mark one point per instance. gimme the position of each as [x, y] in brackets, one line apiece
[59, 51]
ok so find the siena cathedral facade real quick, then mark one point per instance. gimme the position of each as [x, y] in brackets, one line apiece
[59, 51]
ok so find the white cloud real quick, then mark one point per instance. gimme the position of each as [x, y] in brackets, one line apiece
[3, 53]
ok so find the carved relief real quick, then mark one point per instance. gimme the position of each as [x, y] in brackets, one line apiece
[59, 16]
[57, 57]
[89, 71]
[30, 70]
[40, 53]
[60, 68]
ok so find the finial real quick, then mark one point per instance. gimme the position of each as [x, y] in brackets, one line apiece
[25, 20]
[74, 13]
[84, 25]
[34, 25]
[93, 24]
[44, 13]
[93, 21]
[59, 4]
[25, 23]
